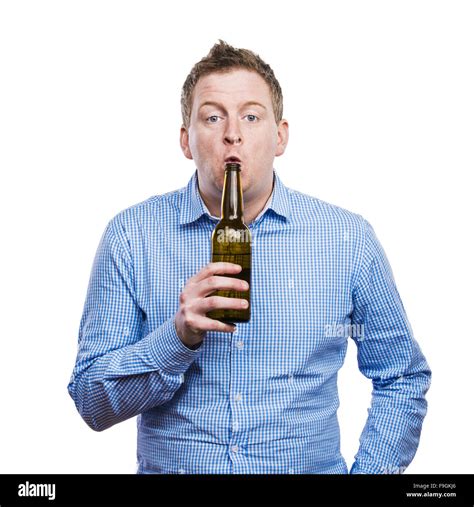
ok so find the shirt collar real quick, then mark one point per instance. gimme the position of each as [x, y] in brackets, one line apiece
[193, 207]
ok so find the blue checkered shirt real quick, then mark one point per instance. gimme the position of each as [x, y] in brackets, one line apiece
[263, 399]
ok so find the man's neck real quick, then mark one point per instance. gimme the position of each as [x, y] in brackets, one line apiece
[251, 208]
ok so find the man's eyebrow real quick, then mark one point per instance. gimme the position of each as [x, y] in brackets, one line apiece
[220, 106]
[254, 103]
[210, 103]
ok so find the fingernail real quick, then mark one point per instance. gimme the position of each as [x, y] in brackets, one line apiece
[244, 303]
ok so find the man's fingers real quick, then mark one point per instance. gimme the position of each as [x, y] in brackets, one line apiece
[206, 324]
[196, 300]
[213, 283]
[218, 302]
[216, 268]
[219, 326]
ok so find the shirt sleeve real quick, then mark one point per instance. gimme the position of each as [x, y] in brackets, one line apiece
[119, 373]
[389, 355]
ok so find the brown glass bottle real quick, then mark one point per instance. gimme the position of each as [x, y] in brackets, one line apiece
[231, 242]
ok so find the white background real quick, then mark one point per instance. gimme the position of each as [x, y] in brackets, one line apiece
[379, 96]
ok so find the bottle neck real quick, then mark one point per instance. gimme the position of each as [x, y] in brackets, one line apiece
[232, 208]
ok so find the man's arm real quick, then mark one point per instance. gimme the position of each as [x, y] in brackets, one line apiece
[389, 355]
[120, 373]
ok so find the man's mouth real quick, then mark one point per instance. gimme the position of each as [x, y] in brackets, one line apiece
[235, 160]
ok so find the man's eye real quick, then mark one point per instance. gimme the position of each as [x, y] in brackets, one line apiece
[251, 118]
[213, 119]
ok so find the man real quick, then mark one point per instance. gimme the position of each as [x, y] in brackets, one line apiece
[261, 396]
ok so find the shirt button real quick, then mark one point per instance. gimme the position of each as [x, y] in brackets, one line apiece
[240, 345]
[291, 471]
[181, 471]
[238, 397]
[235, 426]
[235, 449]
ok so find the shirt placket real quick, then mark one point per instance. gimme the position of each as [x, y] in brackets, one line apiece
[238, 390]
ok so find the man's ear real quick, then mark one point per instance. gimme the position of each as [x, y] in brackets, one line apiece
[283, 136]
[184, 142]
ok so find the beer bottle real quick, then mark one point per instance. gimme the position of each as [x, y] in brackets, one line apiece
[231, 242]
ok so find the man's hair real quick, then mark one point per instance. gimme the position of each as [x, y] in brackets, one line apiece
[223, 58]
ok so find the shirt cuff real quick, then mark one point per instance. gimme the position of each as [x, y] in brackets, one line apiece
[169, 352]
[358, 468]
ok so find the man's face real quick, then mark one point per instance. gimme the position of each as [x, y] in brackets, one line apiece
[232, 119]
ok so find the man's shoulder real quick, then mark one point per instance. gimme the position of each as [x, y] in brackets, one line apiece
[157, 206]
[307, 207]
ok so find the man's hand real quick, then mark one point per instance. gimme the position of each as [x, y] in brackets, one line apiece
[190, 320]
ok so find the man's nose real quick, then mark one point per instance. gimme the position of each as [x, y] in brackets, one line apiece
[232, 133]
